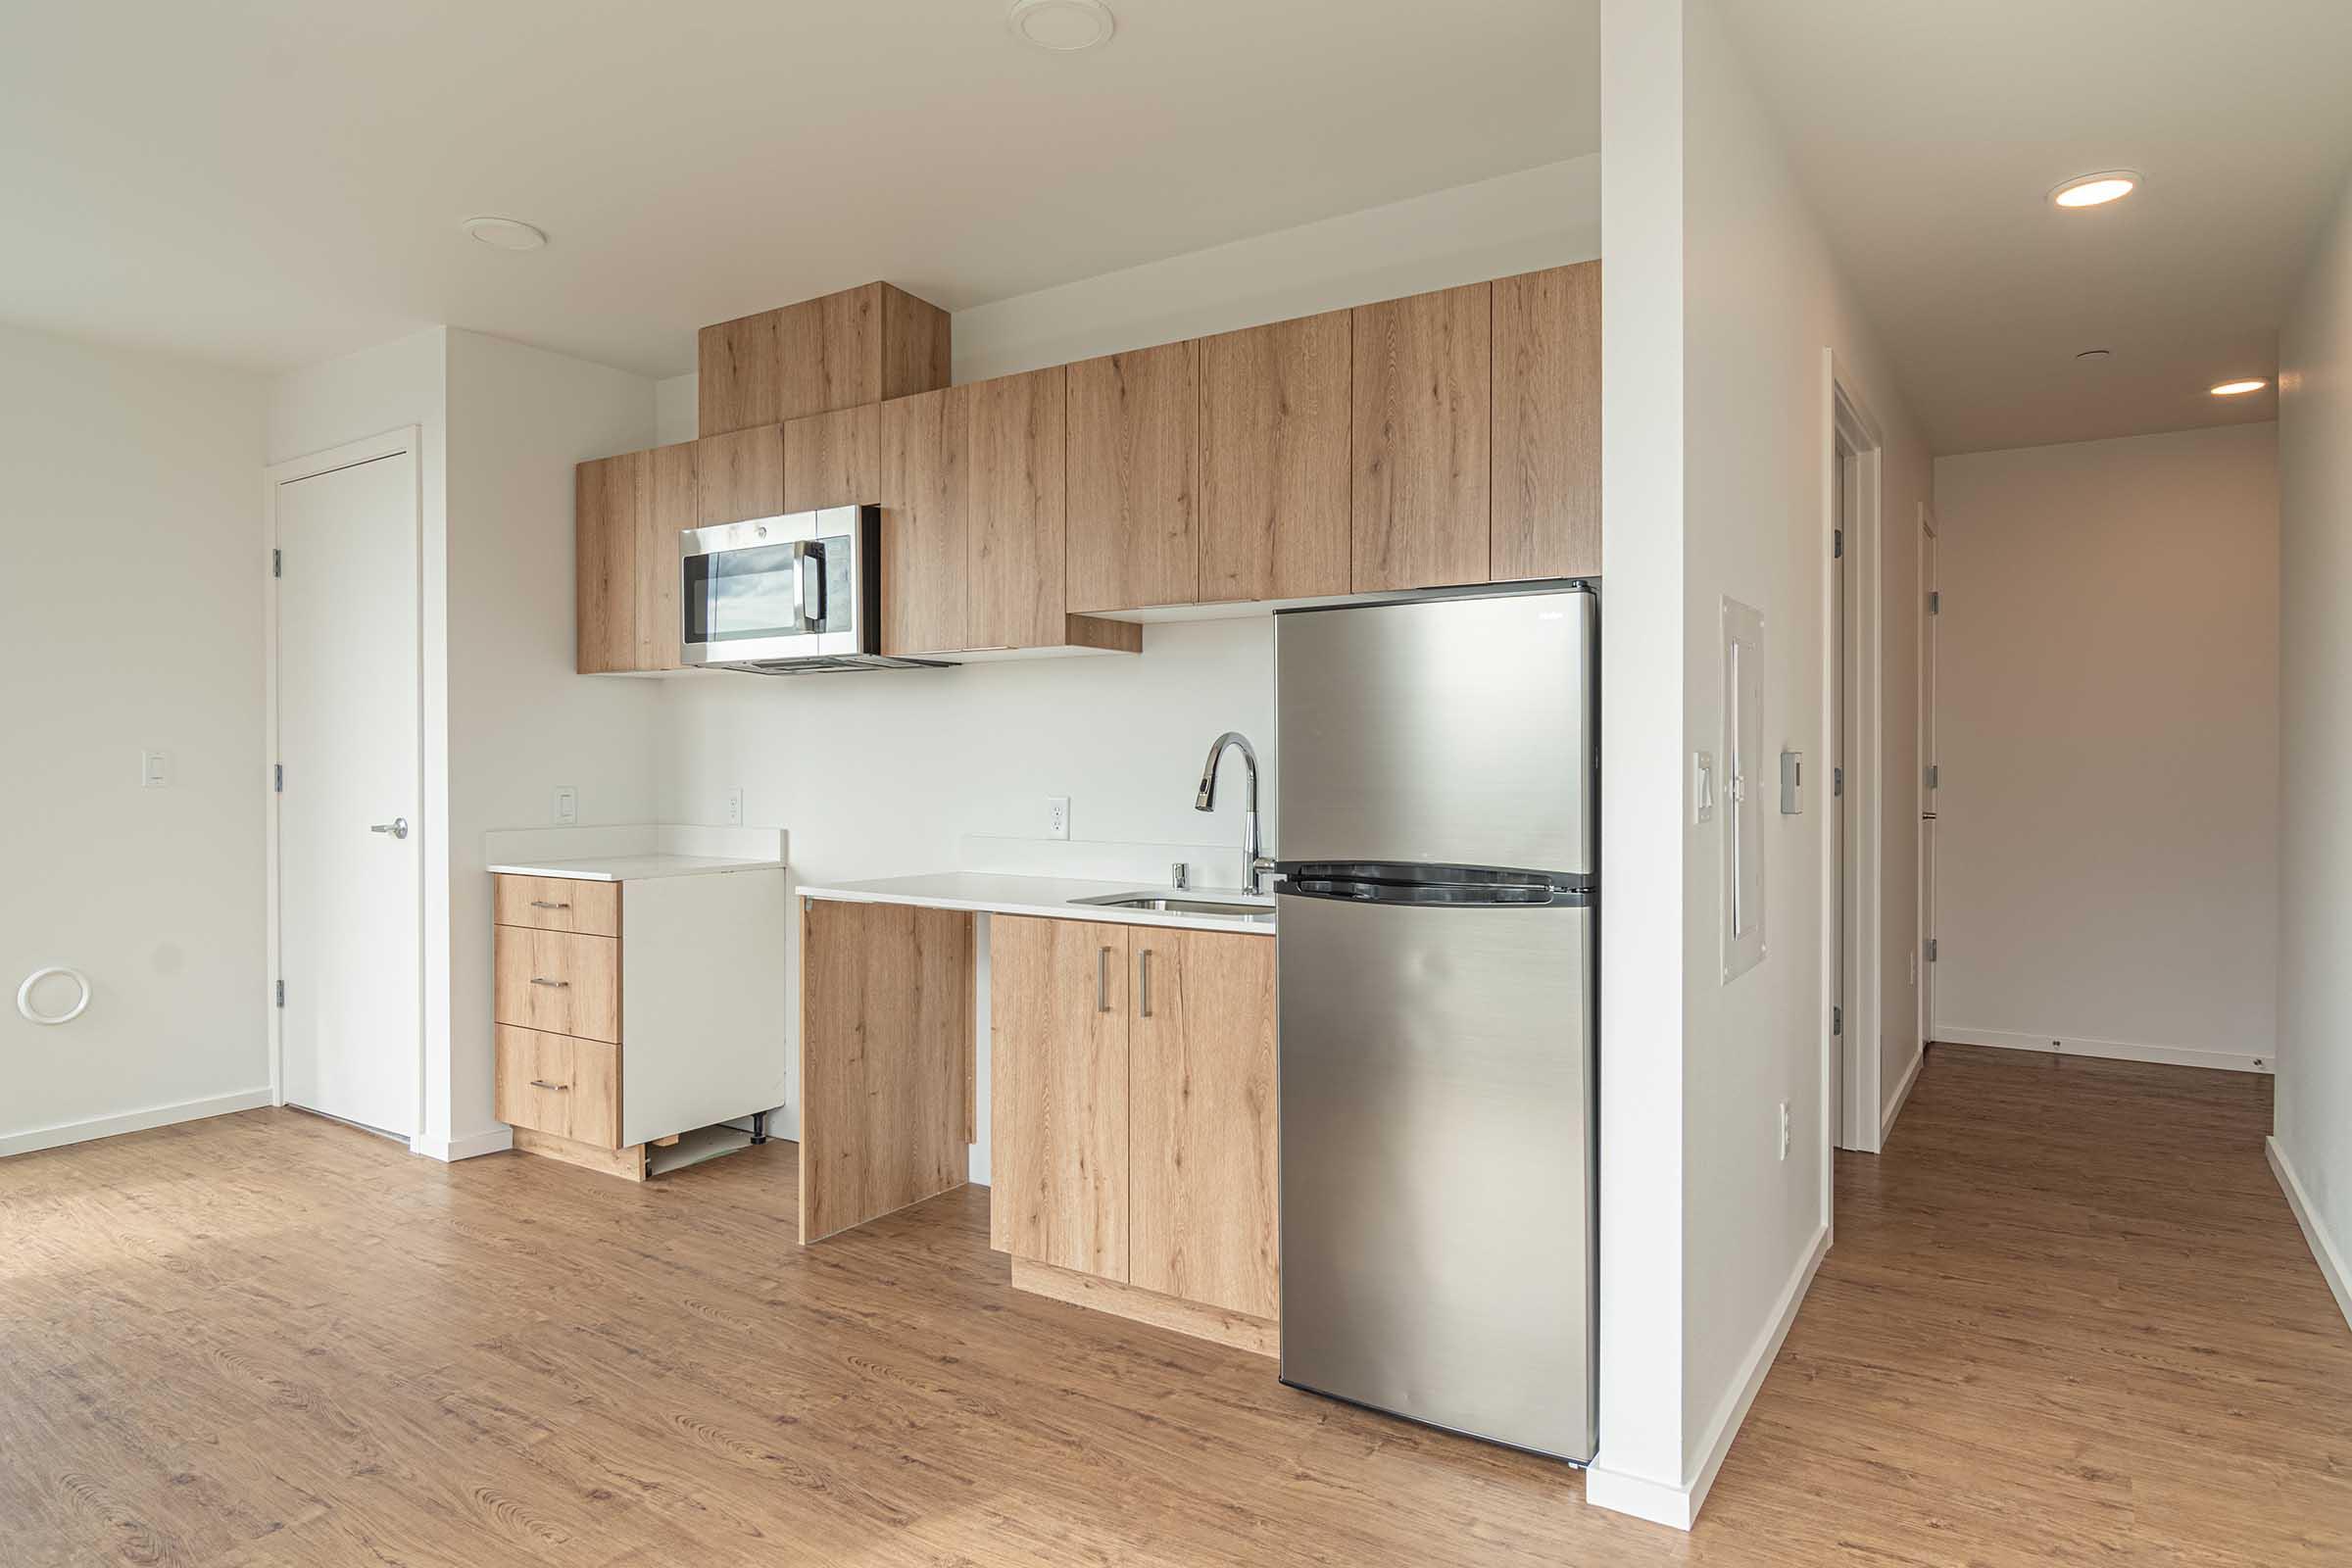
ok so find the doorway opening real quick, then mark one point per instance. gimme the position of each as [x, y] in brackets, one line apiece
[1850, 788]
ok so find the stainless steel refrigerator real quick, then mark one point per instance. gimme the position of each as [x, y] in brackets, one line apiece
[1436, 949]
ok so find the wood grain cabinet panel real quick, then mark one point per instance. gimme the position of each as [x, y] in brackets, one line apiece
[737, 367]
[740, 476]
[1545, 512]
[1203, 1217]
[1423, 375]
[833, 459]
[886, 1036]
[1013, 513]
[613, 499]
[557, 982]
[923, 502]
[1274, 471]
[840, 350]
[1057, 1093]
[558, 904]
[558, 1085]
[673, 505]
[1133, 422]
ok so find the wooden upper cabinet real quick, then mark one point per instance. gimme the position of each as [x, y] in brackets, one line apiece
[1204, 1221]
[741, 477]
[1058, 1095]
[1274, 461]
[675, 505]
[1423, 377]
[921, 490]
[612, 503]
[1013, 511]
[841, 351]
[1547, 485]
[1132, 433]
[833, 459]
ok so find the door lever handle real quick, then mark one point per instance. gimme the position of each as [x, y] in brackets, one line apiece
[398, 827]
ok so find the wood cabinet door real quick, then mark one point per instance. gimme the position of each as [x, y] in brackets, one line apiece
[1423, 373]
[1057, 1093]
[673, 504]
[1013, 511]
[1274, 461]
[736, 366]
[740, 476]
[921, 490]
[611, 502]
[1547, 463]
[1132, 423]
[833, 459]
[1203, 1217]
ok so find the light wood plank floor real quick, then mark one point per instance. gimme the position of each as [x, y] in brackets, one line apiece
[2068, 1318]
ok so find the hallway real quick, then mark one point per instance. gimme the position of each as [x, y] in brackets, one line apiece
[2068, 1318]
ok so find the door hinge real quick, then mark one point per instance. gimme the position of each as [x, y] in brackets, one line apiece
[1935, 776]
[1931, 949]
[1935, 604]
[1836, 781]
[277, 562]
[1837, 1021]
[281, 993]
[1838, 544]
[277, 777]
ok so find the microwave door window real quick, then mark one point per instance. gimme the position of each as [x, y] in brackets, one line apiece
[742, 594]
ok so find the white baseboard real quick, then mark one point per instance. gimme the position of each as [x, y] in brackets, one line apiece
[2112, 1050]
[450, 1149]
[134, 1121]
[1902, 1093]
[2331, 1260]
[1679, 1506]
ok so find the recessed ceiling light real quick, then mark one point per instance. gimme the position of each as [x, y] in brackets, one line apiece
[2239, 389]
[505, 234]
[1063, 26]
[2093, 190]
[2094, 354]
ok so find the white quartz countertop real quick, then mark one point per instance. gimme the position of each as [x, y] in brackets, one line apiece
[632, 867]
[1048, 896]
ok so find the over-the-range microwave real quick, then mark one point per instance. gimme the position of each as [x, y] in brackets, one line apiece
[787, 596]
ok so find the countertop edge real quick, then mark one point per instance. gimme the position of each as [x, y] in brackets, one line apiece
[1093, 914]
[579, 871]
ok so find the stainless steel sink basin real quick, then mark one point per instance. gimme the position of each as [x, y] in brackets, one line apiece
[1178, 903]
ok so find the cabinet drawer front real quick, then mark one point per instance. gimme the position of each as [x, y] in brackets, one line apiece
[555, 1084]
[559, 981]
[560, 903]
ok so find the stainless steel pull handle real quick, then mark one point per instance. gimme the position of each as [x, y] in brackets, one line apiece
[542, 904]
[398, 827]
[542, 980]
[1145, 966]
[1102, 980]
[560, 1089]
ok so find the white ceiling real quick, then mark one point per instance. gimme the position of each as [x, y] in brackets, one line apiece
[1928, 136]
[277, 181]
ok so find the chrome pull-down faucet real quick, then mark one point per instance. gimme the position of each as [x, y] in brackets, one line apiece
[1206, 801]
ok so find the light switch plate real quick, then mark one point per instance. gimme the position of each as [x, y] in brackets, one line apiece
[567, 805]
[155, 769]
[1057, 816]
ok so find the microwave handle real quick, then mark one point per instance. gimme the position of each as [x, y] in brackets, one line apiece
[802, 553]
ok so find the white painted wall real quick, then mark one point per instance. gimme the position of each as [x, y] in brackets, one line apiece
[131, 617]
[520, 720]
[1722, 299]
[2312, 1145]
[2109, 726]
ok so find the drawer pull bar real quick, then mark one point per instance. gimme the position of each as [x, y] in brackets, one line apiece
[542, 904]
[1146, 966]
[542, 980]
[1102, 980]
[541, 1083]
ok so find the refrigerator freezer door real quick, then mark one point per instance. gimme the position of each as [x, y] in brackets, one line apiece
[1437, 1188]
[1443, 731]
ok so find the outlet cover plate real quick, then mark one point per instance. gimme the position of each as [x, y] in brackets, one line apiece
[1057, 816]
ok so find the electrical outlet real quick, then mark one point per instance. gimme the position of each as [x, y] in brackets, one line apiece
[155, 769]
[1057, 816]
[567, 805]
[1783, 1129]
[735, 807]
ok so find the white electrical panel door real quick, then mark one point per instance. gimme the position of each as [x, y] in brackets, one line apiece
[1750, 776]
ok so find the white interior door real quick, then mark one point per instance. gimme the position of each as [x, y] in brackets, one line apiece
[350, 940]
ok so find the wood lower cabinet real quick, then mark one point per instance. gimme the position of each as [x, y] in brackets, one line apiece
[1423, 410]
[558, 1085]
[1133, 1120]
[1274, 437]
[1546, 458]
[1132, 423]
[559, 982]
